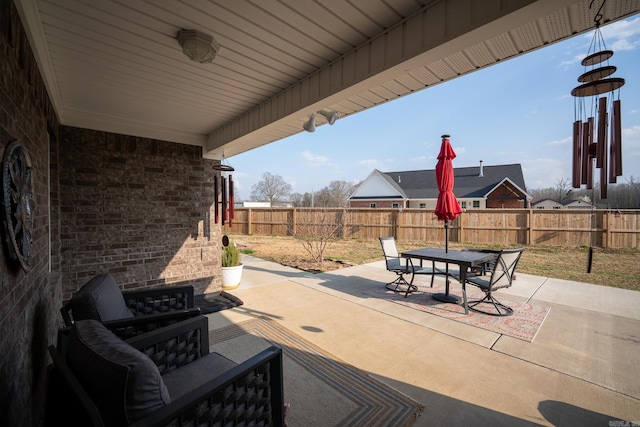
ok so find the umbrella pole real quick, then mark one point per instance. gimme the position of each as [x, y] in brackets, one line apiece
[446, 236]
[446, 250]
[446, 297]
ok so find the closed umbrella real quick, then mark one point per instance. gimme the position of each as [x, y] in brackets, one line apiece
[447, 207]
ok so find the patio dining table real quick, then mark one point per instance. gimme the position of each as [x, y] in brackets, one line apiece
[464, 259]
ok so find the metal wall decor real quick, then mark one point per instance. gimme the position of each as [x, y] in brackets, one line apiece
[601, 139]
[223, 208]
[18, 204]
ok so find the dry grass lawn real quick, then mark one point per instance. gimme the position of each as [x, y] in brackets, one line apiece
[617, 268]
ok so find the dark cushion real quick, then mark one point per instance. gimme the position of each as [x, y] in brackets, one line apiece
[124, 383]
[189, 377]
[99, 299]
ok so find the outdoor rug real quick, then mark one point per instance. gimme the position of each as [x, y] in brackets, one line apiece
[320, 389]
[212, 302]
[524, 323]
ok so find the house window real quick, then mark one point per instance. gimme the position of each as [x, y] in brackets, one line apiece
[395, 205]
[372, 205]
[476, 203]
[423, 206]
[463, 205]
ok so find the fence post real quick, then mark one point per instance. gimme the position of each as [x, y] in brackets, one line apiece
[294, 216]
[634, 240]
[249, 222]
[607, 240]
[529, 227]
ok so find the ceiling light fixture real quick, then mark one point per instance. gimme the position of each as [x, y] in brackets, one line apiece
[198, 46]
[330, 117]
[310, 125]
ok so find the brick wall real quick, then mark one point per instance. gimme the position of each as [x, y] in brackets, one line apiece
[29, 301]
[505, 204]
[505, 197]
[138, 208]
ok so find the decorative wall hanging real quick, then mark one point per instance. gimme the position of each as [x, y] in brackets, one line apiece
[223, 194]
[599, 139]
[18, 204]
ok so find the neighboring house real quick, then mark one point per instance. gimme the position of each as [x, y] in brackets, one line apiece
[262, 205]
[577, 204]
[478, 187]
[547, 204]
[566, 204]
[253, 205]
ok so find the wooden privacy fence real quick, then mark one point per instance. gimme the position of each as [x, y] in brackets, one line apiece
[554, 227]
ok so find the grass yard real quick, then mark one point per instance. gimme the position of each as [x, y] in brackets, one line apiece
[610, 267]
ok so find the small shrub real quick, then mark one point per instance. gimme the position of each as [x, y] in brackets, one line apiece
[230, 255]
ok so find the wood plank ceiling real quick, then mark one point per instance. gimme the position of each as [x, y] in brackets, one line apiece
[115, 65]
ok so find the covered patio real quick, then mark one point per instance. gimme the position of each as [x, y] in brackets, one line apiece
[581, 368]
[125, 136]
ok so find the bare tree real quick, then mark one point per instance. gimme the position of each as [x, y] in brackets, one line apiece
[297, 200]
[623, 195]
[339, 192]
[272, 188]
[317, 228]
[563, 189]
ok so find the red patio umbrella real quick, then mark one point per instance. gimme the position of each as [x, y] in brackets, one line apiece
[447, 207]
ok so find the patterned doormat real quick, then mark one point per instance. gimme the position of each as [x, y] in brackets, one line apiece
[524, 323]
[321, 389]
[210, 303]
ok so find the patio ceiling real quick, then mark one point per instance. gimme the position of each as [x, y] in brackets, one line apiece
[116, 66]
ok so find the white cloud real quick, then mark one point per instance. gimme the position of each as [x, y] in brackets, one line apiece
[631, 137]
[560, 142]
[314, 160]
[569, 63]
[240, 179]
[369, 163]
[544, 173]
[421, 159]
[382, 165]
[291, 181]
[620, 45]
[619, 36]
[625, 34]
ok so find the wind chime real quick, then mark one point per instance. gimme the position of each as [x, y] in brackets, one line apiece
[593, 139]
[223, 206]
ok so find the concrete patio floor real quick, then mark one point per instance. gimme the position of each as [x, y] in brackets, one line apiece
[582, 369]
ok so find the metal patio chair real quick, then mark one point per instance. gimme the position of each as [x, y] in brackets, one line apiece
[402, 266]
[502, 275]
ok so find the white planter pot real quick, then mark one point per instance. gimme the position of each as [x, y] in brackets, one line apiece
[231, 277]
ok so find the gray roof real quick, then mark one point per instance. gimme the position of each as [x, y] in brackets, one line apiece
[422, 184]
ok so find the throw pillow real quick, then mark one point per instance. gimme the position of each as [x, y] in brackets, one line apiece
[100, 299]
[123, 382]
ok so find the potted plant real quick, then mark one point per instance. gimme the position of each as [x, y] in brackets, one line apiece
[231, 266]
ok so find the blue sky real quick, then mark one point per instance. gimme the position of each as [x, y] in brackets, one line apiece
[518, 111]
